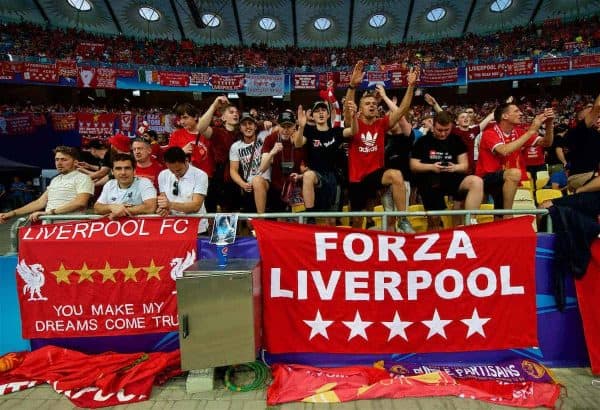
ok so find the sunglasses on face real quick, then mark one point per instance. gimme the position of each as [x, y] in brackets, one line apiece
[176, 188]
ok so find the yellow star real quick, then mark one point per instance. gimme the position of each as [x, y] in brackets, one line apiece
[108, 273]
[85, 273]
[130, 272]
[153, 270]
[62, 274]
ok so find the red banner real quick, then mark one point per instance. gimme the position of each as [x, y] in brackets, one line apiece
[588, 289]
[398, 78]
[99, 125]
[41, 73]
[126, 122]
[439, 75]
[305, 81]
[199, 78]
[333, 290]
[97, 77]
[344, 80]
[173, 79]
[6, 71]
[519, 67]
[66, 68]
[17, 124]
[554, 64]
[481, 71]
[64, 121]
[227, 82]
[114, 290]
[376, 76]
[586, 61]
[124, 73]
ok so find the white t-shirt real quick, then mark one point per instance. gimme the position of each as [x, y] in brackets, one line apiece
[195, 181]
[65, 187]
[249, 157]
[139, 191]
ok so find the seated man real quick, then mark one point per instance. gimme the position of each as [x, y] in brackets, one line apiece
[126, 195]
[440, 163]
[69, 191]
[182, 187]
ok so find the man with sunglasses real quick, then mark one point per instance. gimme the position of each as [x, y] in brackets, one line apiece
[182, 187]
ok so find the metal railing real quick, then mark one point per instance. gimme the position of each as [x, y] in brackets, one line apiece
[301, 217]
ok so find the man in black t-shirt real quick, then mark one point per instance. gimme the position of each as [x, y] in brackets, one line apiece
[440, 162]
[583, 142]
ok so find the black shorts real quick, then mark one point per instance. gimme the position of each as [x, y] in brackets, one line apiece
[325, 191]
[493, 180]
[361, 192]
[433, 197]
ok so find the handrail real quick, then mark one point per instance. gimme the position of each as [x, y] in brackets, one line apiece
[300, 216]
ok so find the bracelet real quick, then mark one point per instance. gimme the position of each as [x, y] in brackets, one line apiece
[352, 87]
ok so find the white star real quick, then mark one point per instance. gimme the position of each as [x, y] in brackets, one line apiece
[318, 326]
[475, 324]
[357, 327]
[436, 325]
[397, 327]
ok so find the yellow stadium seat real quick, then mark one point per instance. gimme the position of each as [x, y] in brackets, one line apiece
[377, 219]
[419, 223]
[485, 218]
[523, 194]
[527, 185]
[541, 179]
[345, 220]
[542, 195]
[447, 221]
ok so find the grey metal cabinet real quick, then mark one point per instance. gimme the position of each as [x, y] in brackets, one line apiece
[219, 313]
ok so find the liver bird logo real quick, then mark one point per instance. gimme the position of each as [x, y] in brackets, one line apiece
[369, 139]
[178, 265]
[34, 278]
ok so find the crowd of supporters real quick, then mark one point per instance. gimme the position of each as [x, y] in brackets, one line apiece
[552, 36]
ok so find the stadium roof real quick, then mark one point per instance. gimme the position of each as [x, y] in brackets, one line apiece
[302, 23]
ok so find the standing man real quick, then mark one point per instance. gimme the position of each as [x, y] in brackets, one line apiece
[126, 194]
[501, 164]
[146, 166]
[69, 191]
[441, 163]
[182, 187]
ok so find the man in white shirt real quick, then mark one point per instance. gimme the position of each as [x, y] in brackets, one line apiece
[68, 193]
[182, 186]
[126, 195]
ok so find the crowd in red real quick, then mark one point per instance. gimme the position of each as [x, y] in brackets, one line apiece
[553, 36]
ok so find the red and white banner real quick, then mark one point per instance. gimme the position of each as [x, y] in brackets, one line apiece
[554, 64]
[6, 71]
[305, 81]
[41, 73]
[344, 79]
[125, 286]
[333, 290]
[91, 77]
[481, 71]
[439, 75]
[66, 68]
[227, 82]
[17, 124]
[199, 78]
[398, 78]
[96, 124]
[126, 122]
[586, 61]
[173, 79]
[125, 73]
[63, 121]
[377, 76]
[519, 67]
[334, 385]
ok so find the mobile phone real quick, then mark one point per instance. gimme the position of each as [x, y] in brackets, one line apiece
[444, 163]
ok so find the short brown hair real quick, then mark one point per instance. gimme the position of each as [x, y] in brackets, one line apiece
[119, 156]
[70, 151]
[442, 118]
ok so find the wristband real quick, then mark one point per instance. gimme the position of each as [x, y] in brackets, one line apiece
[352, 87]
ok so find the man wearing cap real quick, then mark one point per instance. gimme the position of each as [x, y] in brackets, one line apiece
[126, 194]
[146, 166]
[366, 153]
[319, 184]
[69, 191]
[182, 187]
[283, 159]
[245, 158]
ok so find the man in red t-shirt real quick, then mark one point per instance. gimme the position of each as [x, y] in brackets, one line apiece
[146, 166]
[501, 163]
[366, 152]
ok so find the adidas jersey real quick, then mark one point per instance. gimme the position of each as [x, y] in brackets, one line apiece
[366, 153]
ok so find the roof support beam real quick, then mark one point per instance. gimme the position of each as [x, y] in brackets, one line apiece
[537, 9]
[295, 23]
[112, 14]
[408, 18]
[41, 10]
[237, 21]
[468, 19]
[351, 21]
[179, 25]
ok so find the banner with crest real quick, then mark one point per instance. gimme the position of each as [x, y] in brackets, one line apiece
[102, 277]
